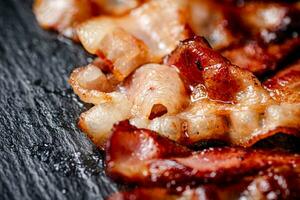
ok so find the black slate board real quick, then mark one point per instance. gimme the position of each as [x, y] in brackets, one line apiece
[43, 155]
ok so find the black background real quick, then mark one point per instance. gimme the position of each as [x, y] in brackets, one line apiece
[43, 155]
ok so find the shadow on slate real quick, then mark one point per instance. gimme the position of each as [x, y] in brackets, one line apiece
[43, 155]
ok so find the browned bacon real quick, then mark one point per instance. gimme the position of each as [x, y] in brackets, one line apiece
[274, 183]
[285, 86]
[260, 58]
[228, 103]
[193, 95]
[141, 156]
[225, 103]
[198, 64]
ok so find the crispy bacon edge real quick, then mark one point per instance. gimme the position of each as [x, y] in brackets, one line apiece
[142, 156]
[281, 183]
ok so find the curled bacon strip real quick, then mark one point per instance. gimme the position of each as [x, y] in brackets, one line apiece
[278, 183]
[225, 102]
[91, 84]
[144, 35]
[159, 24]
[141, 156]
[144, 95]
[229, 103]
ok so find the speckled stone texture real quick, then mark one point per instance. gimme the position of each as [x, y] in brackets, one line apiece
[43, 155]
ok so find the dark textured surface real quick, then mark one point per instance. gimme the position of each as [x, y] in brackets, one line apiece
[43, 155]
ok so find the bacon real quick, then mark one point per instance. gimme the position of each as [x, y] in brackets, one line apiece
[275, 183]
[124, 47]
[62, 15]
[150, 89]
[141, 156]
[256, 36]
[159, 24]
[198, 64]
[145, 95]
[98, 121]
[122, 52]
[196, 95]
[259, 58]
[229, 103]
[270, 21]
[241, 114]
[270, 27]
[91, 84]
[284, 86]
[215, 22]
[206, 69]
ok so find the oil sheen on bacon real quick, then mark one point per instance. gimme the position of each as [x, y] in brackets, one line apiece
[285, 85]
[229, 97]
[145, 95]
[141, 156]
[276, 183]
[257, 36]
[175, 90]
[211, 99]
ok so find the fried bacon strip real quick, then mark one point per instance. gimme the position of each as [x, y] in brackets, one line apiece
[260, 58]
[228, 97]
[225, 23]
[256, 36]
[194, 94]
[271, 27]
[211, 99]
[145, 95]
[285, 85]
[159, 24]
[141, 156]
[279, 185]
[62, 15]
[144, 35]
[275, 183]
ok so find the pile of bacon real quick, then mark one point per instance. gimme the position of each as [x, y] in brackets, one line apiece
[159, 90]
